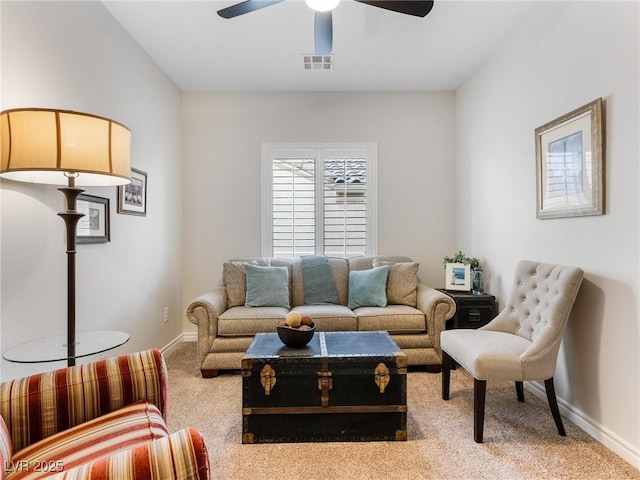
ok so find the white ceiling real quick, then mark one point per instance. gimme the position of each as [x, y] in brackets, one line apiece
[375, 49]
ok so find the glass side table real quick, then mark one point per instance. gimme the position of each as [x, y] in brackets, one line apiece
[54, 348]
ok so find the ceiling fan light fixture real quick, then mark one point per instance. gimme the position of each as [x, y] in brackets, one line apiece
[322, 5]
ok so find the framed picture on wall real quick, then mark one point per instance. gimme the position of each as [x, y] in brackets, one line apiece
[457, 276]
[93, 227]
[570, 164]
[132, 198]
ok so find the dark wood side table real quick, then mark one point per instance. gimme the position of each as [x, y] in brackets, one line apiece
[472, 311]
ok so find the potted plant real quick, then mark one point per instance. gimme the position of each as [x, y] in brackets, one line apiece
[460, 257]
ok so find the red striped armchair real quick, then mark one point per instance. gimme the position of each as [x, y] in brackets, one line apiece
[101, 420]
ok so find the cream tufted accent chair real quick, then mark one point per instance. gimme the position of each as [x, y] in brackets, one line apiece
[522, 342]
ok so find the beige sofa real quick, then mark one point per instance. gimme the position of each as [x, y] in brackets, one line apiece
[414, 317]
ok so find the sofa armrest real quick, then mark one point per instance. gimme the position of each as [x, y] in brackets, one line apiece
[438, 307]
[204, 311]
[40, 405]
[181, 455]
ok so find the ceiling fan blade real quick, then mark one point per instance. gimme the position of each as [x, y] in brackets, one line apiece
[323, 32]
[417, 8]
[246, 7]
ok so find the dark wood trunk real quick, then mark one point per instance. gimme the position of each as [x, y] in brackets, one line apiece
[343, 386]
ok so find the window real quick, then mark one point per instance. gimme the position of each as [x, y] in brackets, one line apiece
[319, 200]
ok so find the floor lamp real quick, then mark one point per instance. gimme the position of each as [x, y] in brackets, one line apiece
[60, 147]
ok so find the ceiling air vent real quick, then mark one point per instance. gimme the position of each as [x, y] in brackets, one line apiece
[318, 62]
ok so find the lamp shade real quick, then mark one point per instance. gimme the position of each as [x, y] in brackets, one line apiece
[48, 146]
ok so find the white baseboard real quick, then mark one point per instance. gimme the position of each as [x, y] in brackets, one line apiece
[173, 343]
[190, 337]
[183, 337]
[602, 434]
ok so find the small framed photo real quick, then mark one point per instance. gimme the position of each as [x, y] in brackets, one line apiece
[132, 198]
[457, 276]
[94, 226]
[570, 164]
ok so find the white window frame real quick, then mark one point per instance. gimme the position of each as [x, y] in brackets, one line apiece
[319, 152]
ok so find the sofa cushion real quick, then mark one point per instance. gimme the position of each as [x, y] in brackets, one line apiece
[366, 262]
[129, 426]
[330, 318]
[319, 284]
[235, 280]
[241, 321]
[392, 318]
[368, 288]
[402, 284]
[267, 286]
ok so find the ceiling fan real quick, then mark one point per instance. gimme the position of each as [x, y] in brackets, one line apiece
[323, 26]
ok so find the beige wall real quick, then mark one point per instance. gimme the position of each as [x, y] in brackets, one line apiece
[415, 133]
[562, 57]
[75, 56]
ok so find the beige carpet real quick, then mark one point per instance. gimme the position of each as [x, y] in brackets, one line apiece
[521, 441]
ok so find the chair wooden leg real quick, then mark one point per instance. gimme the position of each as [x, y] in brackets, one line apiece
[446, 375]
[479, 394]
[553, 405]
[520, 391]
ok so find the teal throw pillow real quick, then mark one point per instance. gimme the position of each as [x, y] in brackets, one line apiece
[368, 288]
[267, 286]
[319, 284]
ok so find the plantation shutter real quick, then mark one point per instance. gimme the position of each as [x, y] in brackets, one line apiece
[319, 200]
[293, 207]
[345, 207]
